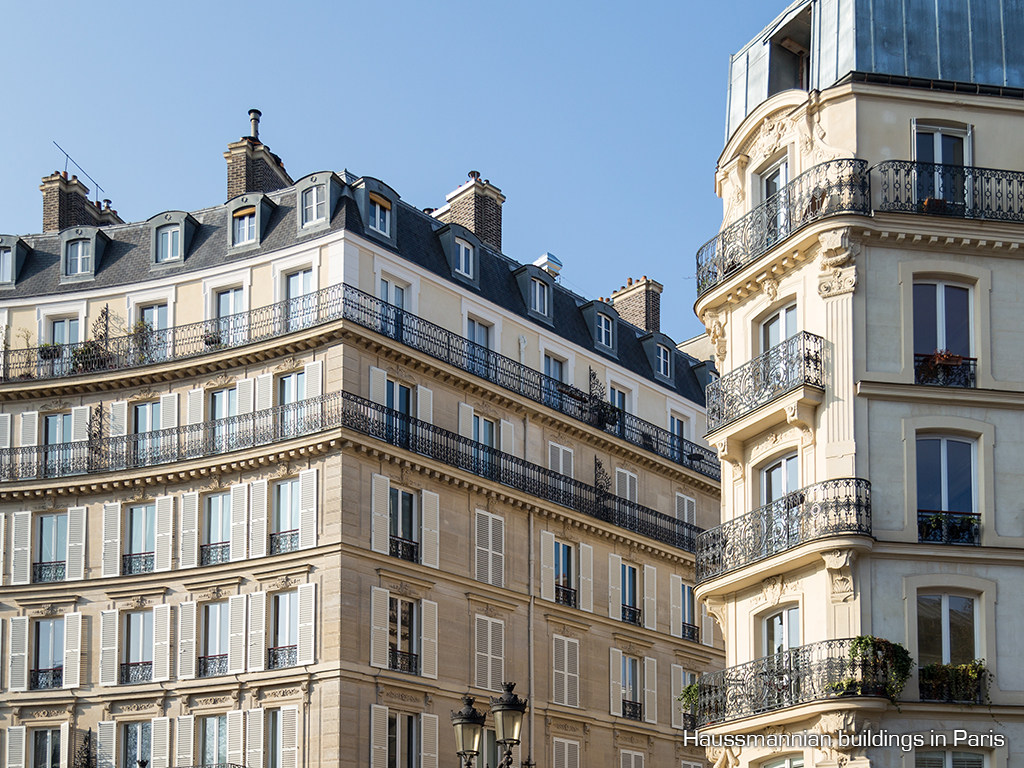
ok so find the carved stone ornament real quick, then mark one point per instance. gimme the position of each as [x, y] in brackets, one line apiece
[288, 364]
[55, 405]
[141, 706]
[283, 582]
[213, 593]
[142, 395]
[411, 478]
[723, 757]
[632, 555]
[49, 610]
[566, 631]
[837, 282]
[771, 288]
[403, 589]
[283, 469]
[714, 324]
[833, 724]
[812, 134]
[137, 602]
[769, 138]
[839, 566]
[50, 713]
[282, 693]
[221, 382]
[632, 650]
[837, 249]
[569, 533]
[773, 588]
[491, 611]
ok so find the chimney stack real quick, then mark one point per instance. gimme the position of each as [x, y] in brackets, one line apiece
[254, 124]
[476, 205]
[639, 302]
[66, 204]
[252, 167]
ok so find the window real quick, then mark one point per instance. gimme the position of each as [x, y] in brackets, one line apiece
[137, 666]
[140, 543]
[947, 759]
[244, 226]
[629, 759]
[604, 330]
[223, 406]
[624, 593]
[402, 635]
[782, 631]
[776, 217]
[404, 525]
[565, 575]
[6, 265]
[618, 397]
[149, 336]
[684, 613]
[314, 204]
[539, 294]
[232, 323]
[785, 762]
[490, 653]
[380, 215]
[664, 361]
[463, 258]
[63, 333]
[214, 659]
[631, 690]
[285, 631]
[168, 243]
[213, 736]
[686, 509]
[625, 485]
[946, 630]
[216, 546]
[490, 548]
[779, 479]
[391, 317]
[480, 334]
[136, 745]
[631, 611]
[78, 260]
[677, 426]
[554, 371]
[779, 327]
[48, 670]
[942, 335]
[484, 436]
[941, 154]
[300, 302]
[284, 525]
[402, 741]
[51, 548]
[291, 390]
[946, 496]
[566, 753]
[566, 678]
[45, 748]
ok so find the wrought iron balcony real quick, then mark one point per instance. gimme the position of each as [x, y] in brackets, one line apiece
[136, 672]
[953, 683]
[634, 710]
[404, 549]
[946, 370]
[212, 666]
[403, 661]
[691, 632]
[934, 527]
[45, 679]
[632, 615]
[141, 562]
[689, 721]
[840, 507]
[801, 675]
[212, 554]
[282, 656]
[284, 541]
[565, 596]
[960, 191]
[43, 573]
[830, 189]
[796, 362]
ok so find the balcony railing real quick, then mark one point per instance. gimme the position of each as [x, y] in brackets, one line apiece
[960, 191]
[934, 527]
[948, 371]
[404, 549]
[840, 507]
[141, 562]
[830, 189]
[43, 573]
[689, 721]
[212, 666]
[953, 683]
[796, 362]
[45, 679]
[634, 710]
[212, 554]
[282, 656]
[136, 672]
[403, 661]
[798, 676]
[632, 615]
[565, 596]
[284, 541]
[691, 632]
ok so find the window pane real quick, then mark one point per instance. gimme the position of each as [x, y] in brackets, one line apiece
[774, 640]
[929, 477]
[968, 760]
[958, 338]
[930, 760]
[961, 629]
[926, 338]
[925, 147]
[929, 629]
[959, 476]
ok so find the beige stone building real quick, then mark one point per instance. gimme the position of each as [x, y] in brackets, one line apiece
[282, 479]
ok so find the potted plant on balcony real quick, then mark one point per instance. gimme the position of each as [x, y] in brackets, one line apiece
[934, 205]
[963, 683]
[879, 667]
[90, 356]
[50, 351]
[211, 338]
[689, 697]
[945, 357]
[142, 340]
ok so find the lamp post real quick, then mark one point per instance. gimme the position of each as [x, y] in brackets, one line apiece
[508, 710]
[469, 730]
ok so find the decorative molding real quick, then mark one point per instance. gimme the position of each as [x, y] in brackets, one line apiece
[49, 610]
[288, 364]
[773, 588]
[281, 582]
[771, 288]
[210, 701]
[140, 706]
[569, 532]
[143, 394]
[837, 282]
[633, 555]
[800, 415]
[404, 589]
[282, 693]
[136, 602]
[565, 630]
[838, 564]
[215, 592]
[491, 611]
[48, 713]
[283, 469]
[833, 724]
[55, 405]
[714, 323]
[223, 381]
[837, 249]
[723, 757]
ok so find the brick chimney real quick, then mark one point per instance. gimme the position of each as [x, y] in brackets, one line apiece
[476, 205]
[252, 167]
[639, 302]
[66, 204]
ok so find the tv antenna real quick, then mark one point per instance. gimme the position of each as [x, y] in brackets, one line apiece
[68, 158]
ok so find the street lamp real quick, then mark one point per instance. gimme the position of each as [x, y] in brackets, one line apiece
[469, 730]
[508, 710]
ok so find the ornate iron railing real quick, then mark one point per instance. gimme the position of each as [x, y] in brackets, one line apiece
[961, 191]
[282, 656]
[403, 661]
[212, 554]
[565, 596]
[634, 710]
[952, 683]
[141, 562]
[691, 632]
[840, 507]
[404, 549]
[937, 372]
[829, 189]
[136, 672]
[689, 721]
[284, 541]
[934, 527]
[796, 362]
[43, 573]
[632, 615]
[45, 679]
[212, 666]
[801, 675]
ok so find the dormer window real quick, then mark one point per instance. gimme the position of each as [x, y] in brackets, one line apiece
[664, 361]
[6, 265]
[314, 204]
[245, 225]
[78, 259]
[463, 258]
[380, 215]
[168, 243]
[539, 293]
[604, 330]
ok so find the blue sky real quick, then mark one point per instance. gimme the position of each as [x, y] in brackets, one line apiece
[600, 123]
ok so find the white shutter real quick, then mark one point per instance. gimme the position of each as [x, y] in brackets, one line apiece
[17, 675]
[21, 548]
[379, 608]
[378, 736]
[483, 546]
[378, 386]
[290, 725]
[161, 643]
[236, 745]
[314, 379]
[677, 691]
[428, 741]
[254, 738]
[111, 539]
[264, 391]
[29, 428]
[196, 405]
[5, 430]
[16, 746]
[65, 740]
[106, 744]
[185, 734]
[424, 404]
[558, 678]
[307, 508]
[169, 411]
[108, 647]
[482, 636]
[567, 753]
[614, 587]
[186, 643]
[80, 423]
[189, 530]
[239, 521]
[72, 650]
[497, 551]
[119, 418]
[257, 631]
[572, 673]
[707, 626]
[237, 637]
[75, 570]
[615, 680]
[164, 533]
[466, 420]
[430, 523]
[246, 394]
[380, 519]
[160, 745]
[258, 518]
[586, 578]
[625, 485]
[547, 566]
[307, 619]
[3, 547]
[428, 639]
[686, 509]
[675, 590]
[650, 597]
[650, 690]
[508, 437]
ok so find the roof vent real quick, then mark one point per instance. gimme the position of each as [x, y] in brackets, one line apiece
[549, 263]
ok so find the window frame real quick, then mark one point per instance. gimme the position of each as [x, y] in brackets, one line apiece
[465, 254]
[540, 292]
[944, 439]
[171, 253]
[664, 357]
[786, 612]
[83, 261]
[605, 328]
[379, 208]
[939, 319]
[319, 194]
[947, 640]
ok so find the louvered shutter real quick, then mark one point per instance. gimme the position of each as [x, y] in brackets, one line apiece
[380, 519]
[169, 421]
[547, 566]
[106, 744]
[246, 394]
[185, 734]
[189, 530]
[650, 597]
[307, 621]
[264, 391]
[237, 637]
[254, 738]
[257, 631]
[187, 641]
[239, 521]
[378, 386]
[508, 437]
[72, 650]
[161, 643]
[675, 590]
[16, 746]
[258, 518]
[677, 691]
[424, 404]
[586, 578]
[497, 551]
[119, 418]
[466, 420]
[290, 725]
[428, 639]
[307, 508]
[497, 653]
[686, 509]
[615, 681]
[5, 441]
[80, 423]
[558, 678]
[625, 485]
[111, 539]
[482, 636]
[483, 546]
[17, 674]
[572, 673]
[21, 548]
[75, 570]
[615, 587]
[314, 379]
[164, 533]
[236, 744]
[65, 744]
[379, 628]
[707, 626]
[3, 547]
[108, 647]
[430, 523]
[428, 741]
[650, 690]
[160, 744]
[29, 428]
[196, 406]
[378, 736]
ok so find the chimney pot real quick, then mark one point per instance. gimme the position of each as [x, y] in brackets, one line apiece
[629, 281]
[254, 123]
[474, 175]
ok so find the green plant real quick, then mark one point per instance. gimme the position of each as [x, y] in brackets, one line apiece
[848, 686]
[49, 351]
[968, 683]
[890, 661]
[142, 339]
[689, 697]
[89, 355]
